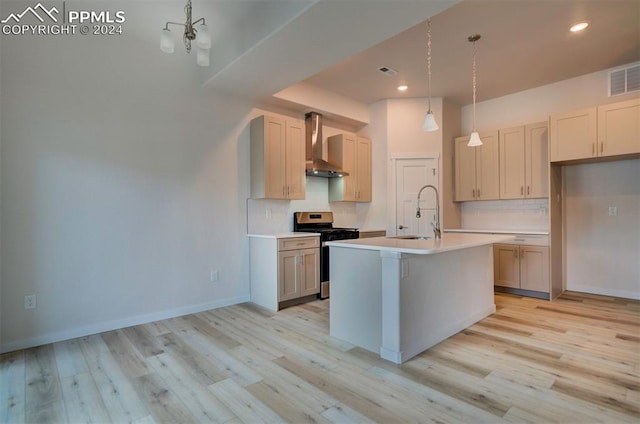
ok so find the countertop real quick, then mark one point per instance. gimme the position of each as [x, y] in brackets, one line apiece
[430, 246]
[523, 232]
[284, 235]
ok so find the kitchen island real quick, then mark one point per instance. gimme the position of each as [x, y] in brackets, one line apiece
[399, 296]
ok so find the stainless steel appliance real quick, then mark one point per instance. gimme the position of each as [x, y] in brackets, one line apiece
[322, 222]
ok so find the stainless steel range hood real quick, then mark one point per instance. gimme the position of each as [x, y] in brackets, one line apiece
[316, 165]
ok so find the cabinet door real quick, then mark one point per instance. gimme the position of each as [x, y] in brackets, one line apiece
[512, 163]
[274, 158]
[342, 152]
[288, 278]
[295, 157]
[619, 128]
[573, 135]
[488, 167]
[506, 267]
[465, 170]
[534, 268]
[536, 160]
[309, 272]
[363, 170]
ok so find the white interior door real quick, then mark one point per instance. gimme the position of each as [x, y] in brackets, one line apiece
[411, 175]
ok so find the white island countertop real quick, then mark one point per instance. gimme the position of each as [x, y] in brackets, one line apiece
[430, 246]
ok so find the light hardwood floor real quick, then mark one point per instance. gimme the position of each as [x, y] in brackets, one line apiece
[574, 360]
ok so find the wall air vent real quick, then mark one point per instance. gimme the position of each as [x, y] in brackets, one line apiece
[388, 71]
[624, 80]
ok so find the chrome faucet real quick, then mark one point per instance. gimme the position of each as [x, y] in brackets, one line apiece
[436, 226]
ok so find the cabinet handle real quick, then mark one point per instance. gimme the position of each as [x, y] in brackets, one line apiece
[283, 192]
[515, 253]
[593, 149]
[478, 193]
[288, 190]
[602, 147]
[522, 190]
[528, 190]
[473, 193]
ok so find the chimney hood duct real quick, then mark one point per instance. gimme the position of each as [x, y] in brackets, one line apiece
[315, 164]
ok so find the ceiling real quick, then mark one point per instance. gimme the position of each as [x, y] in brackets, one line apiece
[524, 44]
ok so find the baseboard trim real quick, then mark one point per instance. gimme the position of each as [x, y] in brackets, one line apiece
[117, 324]
[604, 291]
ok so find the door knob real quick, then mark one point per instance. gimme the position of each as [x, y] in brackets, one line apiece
[401, 227]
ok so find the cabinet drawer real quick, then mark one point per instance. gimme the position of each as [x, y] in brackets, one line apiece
[298, 243]
[528, 239]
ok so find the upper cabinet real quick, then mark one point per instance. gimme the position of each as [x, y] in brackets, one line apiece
[476, 168]
[353, 155]
[619, 128]
[277, 158]
[608, 130]
[524, 165]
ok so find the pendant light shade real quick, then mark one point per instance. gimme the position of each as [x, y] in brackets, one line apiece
[166, 42]
[202, 57]
[203, 39]
[474, 140]
[429, 123]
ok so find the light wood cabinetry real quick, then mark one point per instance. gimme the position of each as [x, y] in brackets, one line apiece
[524, 164]
[277, 158]
[608, 130]
[298, 268]
[619, 128]
[284, 271]
[353, 155]
[477, 173]
[521, 267]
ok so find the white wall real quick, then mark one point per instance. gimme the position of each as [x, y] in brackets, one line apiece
[404, 137]
[603, 251]
[120, 178]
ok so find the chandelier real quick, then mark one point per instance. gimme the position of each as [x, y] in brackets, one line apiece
[200, 34]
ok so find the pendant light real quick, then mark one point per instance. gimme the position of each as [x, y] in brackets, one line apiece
[429, 123]
[474, 140]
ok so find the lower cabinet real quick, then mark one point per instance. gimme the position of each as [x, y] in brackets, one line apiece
[298, 273]
[521, 267]
[284, 270]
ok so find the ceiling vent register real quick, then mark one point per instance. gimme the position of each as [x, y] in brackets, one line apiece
[625, 80]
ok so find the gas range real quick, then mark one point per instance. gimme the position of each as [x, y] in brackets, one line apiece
[322, 222]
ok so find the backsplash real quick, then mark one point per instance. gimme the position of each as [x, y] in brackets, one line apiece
[525, 214]
[276, 216]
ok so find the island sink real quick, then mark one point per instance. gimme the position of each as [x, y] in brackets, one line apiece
[411, 237]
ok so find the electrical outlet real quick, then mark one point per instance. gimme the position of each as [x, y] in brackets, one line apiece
[267, 213]
[30, 301]
[214, 276]
[613, 211]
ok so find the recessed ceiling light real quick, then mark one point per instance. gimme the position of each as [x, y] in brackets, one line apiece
[579, 26]
[403, 87]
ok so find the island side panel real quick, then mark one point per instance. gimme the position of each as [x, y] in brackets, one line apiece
[441, 295]
[355, 312]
